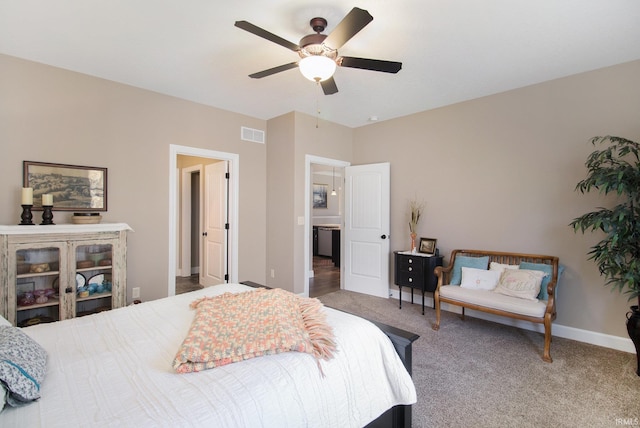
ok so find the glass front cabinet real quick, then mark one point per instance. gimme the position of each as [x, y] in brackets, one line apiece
[55, 272]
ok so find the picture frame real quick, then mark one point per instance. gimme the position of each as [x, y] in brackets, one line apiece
[73, 187]
[427, 246]
[25, 287]
[320, 195]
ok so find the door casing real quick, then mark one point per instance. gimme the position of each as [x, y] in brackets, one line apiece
[309, 160]
[234, 196]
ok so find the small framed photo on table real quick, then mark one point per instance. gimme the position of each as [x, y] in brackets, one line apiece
[427, 246]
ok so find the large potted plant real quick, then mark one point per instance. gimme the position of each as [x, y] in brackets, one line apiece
[614, 168]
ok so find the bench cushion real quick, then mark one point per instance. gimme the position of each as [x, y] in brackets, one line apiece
[493, 300]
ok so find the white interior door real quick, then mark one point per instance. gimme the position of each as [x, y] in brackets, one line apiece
[366, 229]
[213, 268]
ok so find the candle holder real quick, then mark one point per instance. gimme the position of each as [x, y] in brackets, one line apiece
[47, 215]
[26, 216]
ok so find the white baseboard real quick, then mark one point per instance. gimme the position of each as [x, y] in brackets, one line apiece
[618, 343]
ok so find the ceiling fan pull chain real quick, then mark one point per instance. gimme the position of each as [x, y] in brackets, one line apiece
[319, 88]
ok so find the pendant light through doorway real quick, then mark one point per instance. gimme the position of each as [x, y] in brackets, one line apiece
[333, 192]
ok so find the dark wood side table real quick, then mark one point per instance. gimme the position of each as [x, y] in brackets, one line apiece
[416, 271]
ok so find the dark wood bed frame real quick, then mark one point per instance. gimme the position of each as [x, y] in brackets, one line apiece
[397, 416]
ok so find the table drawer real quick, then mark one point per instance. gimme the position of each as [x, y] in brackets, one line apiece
[410, 264]
[410, 279]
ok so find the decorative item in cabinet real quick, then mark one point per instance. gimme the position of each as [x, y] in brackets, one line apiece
[42, 271]
[34, 294]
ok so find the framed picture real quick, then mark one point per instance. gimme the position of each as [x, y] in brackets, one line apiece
[319, 196]
[25, 287]
[427, 246]
[73, 188]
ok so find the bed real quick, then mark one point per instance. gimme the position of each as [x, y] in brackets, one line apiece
[115, 369]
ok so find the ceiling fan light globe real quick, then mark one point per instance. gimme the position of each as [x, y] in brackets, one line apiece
[317, 68]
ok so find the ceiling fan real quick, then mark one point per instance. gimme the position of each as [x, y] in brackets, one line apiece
[319, 52]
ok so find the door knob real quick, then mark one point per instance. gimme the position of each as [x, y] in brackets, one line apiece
[383, 237]
[204, 233]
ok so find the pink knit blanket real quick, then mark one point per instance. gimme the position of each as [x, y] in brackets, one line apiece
[234, 327]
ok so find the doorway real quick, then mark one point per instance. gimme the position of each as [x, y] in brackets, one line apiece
[189, 223]
[326, 214]
[203, 221]
[323, 224]
[180, 264]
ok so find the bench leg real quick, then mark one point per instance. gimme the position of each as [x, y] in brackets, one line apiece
[436, 305]
[546, 356]
[462, 316]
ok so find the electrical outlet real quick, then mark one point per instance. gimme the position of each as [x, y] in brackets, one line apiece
[135, 293]
[273, 273]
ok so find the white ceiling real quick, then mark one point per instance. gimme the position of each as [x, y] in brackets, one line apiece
[451, 50]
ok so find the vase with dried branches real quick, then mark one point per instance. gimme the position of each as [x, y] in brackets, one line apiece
[416, 208]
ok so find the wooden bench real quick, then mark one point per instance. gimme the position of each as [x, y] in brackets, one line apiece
[542, 311]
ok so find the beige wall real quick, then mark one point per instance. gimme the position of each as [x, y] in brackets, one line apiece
[499, 173]
[291, 138]
[280, 202]
[52, 115]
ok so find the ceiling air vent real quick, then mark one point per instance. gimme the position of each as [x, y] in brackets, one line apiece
[253, 135]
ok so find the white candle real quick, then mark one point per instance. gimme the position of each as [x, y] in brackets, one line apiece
[47, 200]
[27, 196]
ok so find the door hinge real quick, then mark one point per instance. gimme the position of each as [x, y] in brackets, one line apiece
[226, 226]
[226, 175]
[226, 277]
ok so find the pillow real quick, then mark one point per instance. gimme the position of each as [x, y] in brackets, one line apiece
[23, 364]
[501, 266]
[479, 279]
[466, 261]
[521, 283]
[234, 327]
[548, 269]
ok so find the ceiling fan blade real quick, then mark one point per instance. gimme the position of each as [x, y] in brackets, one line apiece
[355, 21]
[247, 26]
[370, 64]
[329, 86]
[274, 70]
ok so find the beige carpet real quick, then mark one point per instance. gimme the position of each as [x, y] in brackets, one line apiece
[476, 373]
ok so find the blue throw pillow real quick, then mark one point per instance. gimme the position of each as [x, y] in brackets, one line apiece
[466, 261]
[23, 364]
[548, 269]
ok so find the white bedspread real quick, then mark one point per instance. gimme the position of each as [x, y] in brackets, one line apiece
[113, 369]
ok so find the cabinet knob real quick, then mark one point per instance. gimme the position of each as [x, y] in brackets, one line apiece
[410, 268]
[410, 260]
[410, 279]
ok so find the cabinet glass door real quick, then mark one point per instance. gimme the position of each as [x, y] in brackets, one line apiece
[37, 286]
[93, 278]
